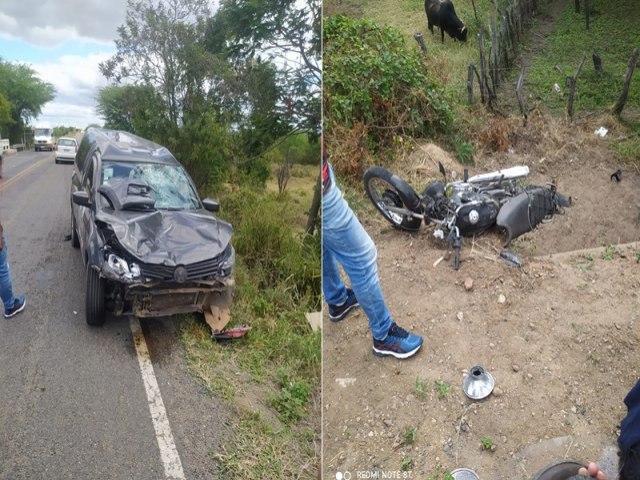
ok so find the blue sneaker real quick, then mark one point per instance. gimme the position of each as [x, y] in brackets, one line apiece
[338, 312]
[399, 343]
[18, 305]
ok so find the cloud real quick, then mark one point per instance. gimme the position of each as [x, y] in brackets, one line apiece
[60, 39]
[77, 80]
[50, 23]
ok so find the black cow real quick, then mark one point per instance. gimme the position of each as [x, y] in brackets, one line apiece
[440, 13]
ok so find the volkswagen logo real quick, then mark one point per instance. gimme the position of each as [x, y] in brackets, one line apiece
[180, 274]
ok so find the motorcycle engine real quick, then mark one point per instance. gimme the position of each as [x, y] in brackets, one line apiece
[475, 211]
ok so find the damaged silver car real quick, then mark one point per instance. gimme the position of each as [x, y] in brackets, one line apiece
[150, 246]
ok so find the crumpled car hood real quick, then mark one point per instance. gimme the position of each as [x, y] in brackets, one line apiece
[169, 238]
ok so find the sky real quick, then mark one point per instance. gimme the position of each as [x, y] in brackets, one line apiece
[63, 41]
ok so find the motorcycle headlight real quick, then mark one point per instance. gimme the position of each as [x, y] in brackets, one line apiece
[227, 266]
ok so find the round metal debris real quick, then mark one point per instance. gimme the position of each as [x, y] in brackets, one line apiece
[464, 474]
[560, 471]
[479, 383]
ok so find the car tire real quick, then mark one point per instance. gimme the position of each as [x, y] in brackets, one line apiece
[94, 298]
[75, 240]
[57, 161]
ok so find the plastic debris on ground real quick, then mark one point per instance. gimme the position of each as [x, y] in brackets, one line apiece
[511, 258]
[601, 132]
[231, 333]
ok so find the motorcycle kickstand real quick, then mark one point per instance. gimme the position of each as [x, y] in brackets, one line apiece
[455, 241]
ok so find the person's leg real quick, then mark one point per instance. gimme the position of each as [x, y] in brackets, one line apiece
[333, 288]
[6, 289]
[349, 243]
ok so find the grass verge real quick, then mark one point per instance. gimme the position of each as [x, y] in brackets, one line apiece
[271, 378]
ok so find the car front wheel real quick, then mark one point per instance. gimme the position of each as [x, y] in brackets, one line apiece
[75, 241]
[94, 297]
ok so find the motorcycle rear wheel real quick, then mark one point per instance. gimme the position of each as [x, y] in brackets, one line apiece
[385, 190]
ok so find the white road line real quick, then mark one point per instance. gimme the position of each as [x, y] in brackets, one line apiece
[168, 452]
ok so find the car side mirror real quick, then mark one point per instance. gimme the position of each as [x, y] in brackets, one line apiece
[81, 198]
[211, 205]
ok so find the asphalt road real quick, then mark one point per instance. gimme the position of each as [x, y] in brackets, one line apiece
[72, 399]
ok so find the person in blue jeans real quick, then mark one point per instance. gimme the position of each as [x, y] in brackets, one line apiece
[345, 241]
[12, 305]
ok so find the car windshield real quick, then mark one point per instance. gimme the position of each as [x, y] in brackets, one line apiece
[42, 132]
[170, 185]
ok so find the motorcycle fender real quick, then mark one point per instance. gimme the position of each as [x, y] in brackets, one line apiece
[514, 217]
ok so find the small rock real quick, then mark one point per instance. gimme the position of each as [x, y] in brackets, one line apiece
[371, 434]
[497, 392]
[387, 423]
[504, 439]
[460, 316]
[468, 284]
[492, 345]
[515, 368]
[494, 447]
[502, 299]
[465, 428]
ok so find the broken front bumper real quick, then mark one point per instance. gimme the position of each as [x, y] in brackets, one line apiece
[157, 300]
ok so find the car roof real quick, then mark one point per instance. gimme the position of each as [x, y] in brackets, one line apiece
[121, 146]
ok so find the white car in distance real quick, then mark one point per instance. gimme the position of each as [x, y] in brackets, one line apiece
[66, 150]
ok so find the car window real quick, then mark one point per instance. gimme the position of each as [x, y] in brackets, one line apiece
[67, 142]
[170, 185]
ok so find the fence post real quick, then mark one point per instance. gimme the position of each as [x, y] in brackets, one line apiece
[484, 84]
[617, 109]
[470, 84]
[586, 11]
[519, 90]
[572, 88]
[420, 39]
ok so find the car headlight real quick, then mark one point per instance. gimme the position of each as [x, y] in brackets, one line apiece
[227, 266]
[122, 268]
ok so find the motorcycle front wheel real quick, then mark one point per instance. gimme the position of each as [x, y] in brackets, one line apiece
[393, 197]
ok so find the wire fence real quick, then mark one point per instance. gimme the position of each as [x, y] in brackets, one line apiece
[502, 34]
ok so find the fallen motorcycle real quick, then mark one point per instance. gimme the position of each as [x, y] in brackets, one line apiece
[465, 207]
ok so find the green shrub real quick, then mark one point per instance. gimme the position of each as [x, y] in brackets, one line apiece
[464, 151]
[203, 148]
[270, 247]
[372, 79]
[291, 400]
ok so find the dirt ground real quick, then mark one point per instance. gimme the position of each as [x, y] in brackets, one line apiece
[559, 335]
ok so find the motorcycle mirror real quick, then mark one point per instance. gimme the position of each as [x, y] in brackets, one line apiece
[442, 171]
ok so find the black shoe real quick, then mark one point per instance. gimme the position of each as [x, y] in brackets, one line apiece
[18, 305]
[338, 312]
